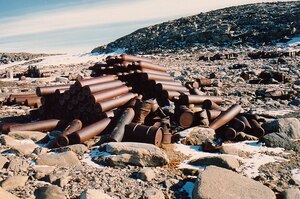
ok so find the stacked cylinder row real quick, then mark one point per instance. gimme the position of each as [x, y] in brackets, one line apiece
[88, 100]
[146, 78]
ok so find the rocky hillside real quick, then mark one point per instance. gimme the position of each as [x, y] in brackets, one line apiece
[253, 24]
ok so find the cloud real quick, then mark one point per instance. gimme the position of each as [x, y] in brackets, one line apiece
[101, 14]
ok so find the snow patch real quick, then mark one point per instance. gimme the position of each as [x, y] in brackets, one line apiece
[87, 158]
[249, 166]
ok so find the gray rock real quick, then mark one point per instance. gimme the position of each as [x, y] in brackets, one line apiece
[226, 162]
[198, 135]
[146, 174]
[42, 171]
[58, 177]
[233, 150]
[289, 126]
[291, 193]
[3, 161]
[295, 102]
[61, 79]
[6, 195]
[280, 140]
[25, 149]
[33, 135]
[65, 159]
[79, 149]
[18, 164]
[153, 193]
[14, 182]
[49, 192]
[131, 153]
[94, 194]
[215, 182]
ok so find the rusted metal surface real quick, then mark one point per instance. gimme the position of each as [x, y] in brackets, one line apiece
[44, 125]
[118, 131]
[226, 116]
[89, 131]
[141, 133]
[196, 99]
[47, 90]
[209, 104]
[113, 103]
[89, 89]
[62, 140]
[108, 94]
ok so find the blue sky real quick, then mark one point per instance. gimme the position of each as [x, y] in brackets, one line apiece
[81, 25]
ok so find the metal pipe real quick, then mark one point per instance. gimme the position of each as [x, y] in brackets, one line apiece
[185, 116]
[256, 129]
[156, 72]
[208, 104]
[47, 90]
[197, 99]
[226, 116]
[118, 131]
[44, 125]
[149, 76]
[5, 128]
[113, 103]
[141, 133]
[171, 94]
[108, 94]
[230, 133]
[33, 102]
[237, 124]
[89, 132]
[95, 80]
[131, 58]
[89, 89]
[160, 87]
[150, 66]
[142, 112]
[21, 100]
[165, 82]
[201, 118]
[62, 140]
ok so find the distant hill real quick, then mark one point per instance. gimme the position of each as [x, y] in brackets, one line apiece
[253, 24]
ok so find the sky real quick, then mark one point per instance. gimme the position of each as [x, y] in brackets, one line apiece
[58, 26]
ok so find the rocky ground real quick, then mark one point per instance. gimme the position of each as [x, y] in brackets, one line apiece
[29, 169]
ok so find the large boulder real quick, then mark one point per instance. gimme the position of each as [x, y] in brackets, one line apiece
[218, 183]
[227, 162]
[280, 140]
[289, 126]
[131, 153]
[65, 159]
[198, 135]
